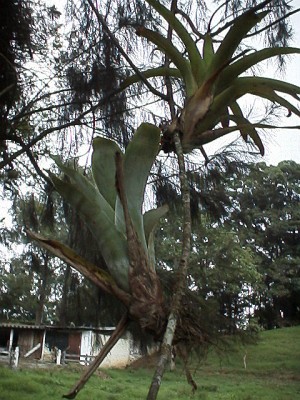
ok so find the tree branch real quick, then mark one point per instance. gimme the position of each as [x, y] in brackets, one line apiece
[274, 23]
[112, 37]
[46, 132]
[181, 276]
[167, 65]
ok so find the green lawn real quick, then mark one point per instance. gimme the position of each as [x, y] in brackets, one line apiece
[273, 373]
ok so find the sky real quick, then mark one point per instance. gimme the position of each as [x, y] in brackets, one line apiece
[284, 144]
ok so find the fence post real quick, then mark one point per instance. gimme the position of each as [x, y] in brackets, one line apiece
[14, 358]
[58, 356]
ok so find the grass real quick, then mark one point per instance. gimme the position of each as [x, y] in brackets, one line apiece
[273, 373]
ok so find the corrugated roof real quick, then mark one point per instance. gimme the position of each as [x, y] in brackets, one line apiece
[16, 325]
[20, 325]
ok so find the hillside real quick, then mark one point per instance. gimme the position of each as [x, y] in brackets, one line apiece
[272, 369]
[278, 349]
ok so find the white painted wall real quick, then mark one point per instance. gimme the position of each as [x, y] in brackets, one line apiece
[119, 356]
[86, 345]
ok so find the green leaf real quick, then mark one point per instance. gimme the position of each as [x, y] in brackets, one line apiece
[99, 216]
[224, 117]
[138, 159]
[152, 217]
[208, 50]
[151, 220]
[232, 71]
[247, 128]
[174, 55]
[272, 96]
[97, 275]
[104, 168]
[209, 136]
[253, 85]
[195, 58]
[241, 26]
[151, 73]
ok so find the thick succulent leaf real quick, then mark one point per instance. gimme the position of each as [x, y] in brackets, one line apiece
[195, 58]
[89, 270]
[245, 84]
[204, 130]
[99, 216]
[195, 110]
[263, 87]
[247, 129]
[252, 132]
[209, 136]
[152, 217]
[85, 186]
[138, 159]
[151, 220]
[236, 110]
[197, 107]
[205, 137]
[241, 26]
[273, 97]
[151, 73]
[82, 182]
[224, 117]
[104, 168]
[240, 87]
[234, 70]
[174, 55]
[208, 50]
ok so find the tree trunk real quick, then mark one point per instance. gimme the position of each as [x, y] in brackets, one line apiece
[42, 295]
[63, 307]
[181, 276]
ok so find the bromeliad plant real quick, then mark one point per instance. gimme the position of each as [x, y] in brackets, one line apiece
[111, 205]
[213, 80]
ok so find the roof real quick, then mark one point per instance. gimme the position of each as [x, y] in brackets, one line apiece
[13, 325]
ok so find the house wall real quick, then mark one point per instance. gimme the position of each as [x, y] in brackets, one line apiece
[86, 346]
[27, 340]
[119, 356]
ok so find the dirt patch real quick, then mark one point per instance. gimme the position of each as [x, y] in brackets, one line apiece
[148, 361]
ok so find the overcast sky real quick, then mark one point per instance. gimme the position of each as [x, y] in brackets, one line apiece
[284, 144]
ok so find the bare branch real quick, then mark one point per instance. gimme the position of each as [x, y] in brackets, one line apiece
[167, 65]
[190, 22]
[274, 23]
[104, 25]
